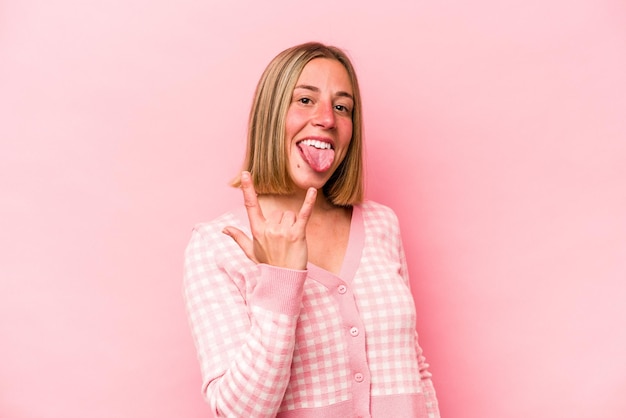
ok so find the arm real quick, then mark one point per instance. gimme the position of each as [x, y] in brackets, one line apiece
[245, 340]
[244, 343]
[425, 375]
[428, 389]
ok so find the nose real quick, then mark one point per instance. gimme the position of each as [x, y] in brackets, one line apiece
[324, 116]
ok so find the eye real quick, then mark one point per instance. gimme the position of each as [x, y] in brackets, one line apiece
[342, 108]
[304, 100]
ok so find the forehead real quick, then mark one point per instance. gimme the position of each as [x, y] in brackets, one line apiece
[325, 72]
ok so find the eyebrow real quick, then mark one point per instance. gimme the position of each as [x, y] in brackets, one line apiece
[316, 90]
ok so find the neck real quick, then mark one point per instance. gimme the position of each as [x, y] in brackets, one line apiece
[293, 202]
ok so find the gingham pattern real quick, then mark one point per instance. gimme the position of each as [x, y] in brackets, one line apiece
[232, 336]
[388, 311]
[259, 362]
[319, 369]
[387, 307]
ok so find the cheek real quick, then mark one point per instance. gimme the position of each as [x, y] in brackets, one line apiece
[293, 122]
[347, 131]
[289, 122]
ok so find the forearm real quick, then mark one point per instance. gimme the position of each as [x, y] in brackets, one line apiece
[254, 382]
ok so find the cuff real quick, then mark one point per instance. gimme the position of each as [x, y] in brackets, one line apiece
[279, 289]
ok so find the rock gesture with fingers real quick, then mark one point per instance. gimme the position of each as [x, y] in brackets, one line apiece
[279, 239]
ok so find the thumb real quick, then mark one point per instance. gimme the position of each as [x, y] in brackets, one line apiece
[242, 240]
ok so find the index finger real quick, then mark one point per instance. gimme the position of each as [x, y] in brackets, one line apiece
[250, 199]
[307, 207]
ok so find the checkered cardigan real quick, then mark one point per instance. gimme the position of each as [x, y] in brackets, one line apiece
[288, 343]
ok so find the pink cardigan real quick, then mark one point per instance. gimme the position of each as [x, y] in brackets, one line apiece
[278, 342]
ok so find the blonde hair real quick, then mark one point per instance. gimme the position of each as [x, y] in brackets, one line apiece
[266, 153]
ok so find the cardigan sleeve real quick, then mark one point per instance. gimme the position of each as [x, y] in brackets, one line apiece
[426, 383]
[245, 340]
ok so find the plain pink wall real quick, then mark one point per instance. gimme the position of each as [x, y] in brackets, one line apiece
[496, 130]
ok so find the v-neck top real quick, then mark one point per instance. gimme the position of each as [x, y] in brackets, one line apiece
[307, 343]
[352, 256]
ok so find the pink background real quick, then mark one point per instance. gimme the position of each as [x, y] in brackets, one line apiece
[495, 129]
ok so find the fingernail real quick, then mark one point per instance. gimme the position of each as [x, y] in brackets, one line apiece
[226, 232]
[245, 175]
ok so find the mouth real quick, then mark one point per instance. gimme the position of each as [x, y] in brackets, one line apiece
[316, 143]
[319, 154]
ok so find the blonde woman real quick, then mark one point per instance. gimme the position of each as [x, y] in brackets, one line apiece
[299, 301]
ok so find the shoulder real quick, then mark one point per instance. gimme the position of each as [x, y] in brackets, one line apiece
[208, 237]
[216, 225]
[380, 221]
[377, 213]
[381, 228]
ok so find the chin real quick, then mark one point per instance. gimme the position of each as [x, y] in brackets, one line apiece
[314, 179]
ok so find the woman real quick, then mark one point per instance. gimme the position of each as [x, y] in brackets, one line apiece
[300, 303]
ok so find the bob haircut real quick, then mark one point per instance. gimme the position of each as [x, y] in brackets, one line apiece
[266, 153]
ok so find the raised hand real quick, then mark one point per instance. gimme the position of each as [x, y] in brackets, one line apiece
[278, 240]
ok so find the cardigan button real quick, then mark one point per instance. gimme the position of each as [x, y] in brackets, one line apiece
[354, 331]
[342, 289]
[358, 377]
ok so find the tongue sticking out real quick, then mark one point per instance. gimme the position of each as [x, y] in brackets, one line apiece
[319, 159]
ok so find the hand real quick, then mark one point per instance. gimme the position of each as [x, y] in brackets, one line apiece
[279, 240]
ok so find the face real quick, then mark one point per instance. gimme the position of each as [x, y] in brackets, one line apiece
[318, 126]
